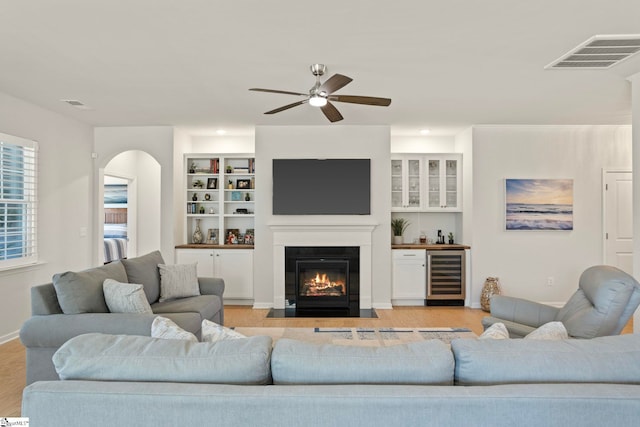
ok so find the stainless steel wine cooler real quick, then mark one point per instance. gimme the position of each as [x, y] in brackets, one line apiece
[446, 277]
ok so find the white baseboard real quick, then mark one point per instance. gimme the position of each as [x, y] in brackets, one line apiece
[262, 305]
[231, 301]
[9, 337]
[382, 306]
[408, 302]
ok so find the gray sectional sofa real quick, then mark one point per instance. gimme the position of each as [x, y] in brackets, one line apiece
[60, 313]
[127, 380]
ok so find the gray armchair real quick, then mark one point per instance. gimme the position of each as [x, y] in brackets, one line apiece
[605, 300]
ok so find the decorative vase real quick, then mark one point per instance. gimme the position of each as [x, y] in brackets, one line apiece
[398, 240]
[491, 287]
[197, 235]
[194, 197]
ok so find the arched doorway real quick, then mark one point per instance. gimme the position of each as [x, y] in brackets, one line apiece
[130, 215]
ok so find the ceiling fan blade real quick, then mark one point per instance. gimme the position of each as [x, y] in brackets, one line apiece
[331, 112]
[286, 107]
[334, 83]
[278, 91]
[366, 100]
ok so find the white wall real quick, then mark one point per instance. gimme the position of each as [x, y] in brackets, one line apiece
[157, 141]
[524, 259]
[324, 142]
[64, 203]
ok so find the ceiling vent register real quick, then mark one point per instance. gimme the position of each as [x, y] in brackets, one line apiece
[599, 52]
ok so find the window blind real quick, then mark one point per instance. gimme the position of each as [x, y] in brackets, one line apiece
[18, 201]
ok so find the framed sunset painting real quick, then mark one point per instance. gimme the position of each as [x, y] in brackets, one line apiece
[539, 204]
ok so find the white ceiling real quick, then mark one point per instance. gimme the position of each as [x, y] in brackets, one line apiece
[446, 64]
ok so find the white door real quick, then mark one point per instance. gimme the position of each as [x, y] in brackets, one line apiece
[619, 220]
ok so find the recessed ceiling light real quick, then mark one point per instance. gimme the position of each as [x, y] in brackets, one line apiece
[425, 132]
[221, 131]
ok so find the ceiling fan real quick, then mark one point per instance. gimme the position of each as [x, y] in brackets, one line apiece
[321, 94]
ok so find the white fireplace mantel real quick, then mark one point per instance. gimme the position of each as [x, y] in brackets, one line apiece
[322, 234]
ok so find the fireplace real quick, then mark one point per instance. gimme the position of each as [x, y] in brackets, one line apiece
[323, 281]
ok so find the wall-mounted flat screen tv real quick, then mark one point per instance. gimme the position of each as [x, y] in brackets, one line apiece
[321, 186]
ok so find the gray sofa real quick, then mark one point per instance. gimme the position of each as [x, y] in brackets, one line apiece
[127, 380]
[51, 326]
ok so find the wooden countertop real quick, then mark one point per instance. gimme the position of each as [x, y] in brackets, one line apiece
[208, 246]
[431, 247]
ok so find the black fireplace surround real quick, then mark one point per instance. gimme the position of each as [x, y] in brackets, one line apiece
[323, 281]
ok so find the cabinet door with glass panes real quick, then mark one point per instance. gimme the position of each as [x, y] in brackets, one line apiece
[406, 184]
[220, 198]
[443, 182]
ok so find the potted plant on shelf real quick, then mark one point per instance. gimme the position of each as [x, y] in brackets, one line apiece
[451, 238]
[398, 226]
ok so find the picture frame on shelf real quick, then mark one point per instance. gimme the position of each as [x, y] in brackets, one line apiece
[212, 236]
[212, 183]
[248, 237]
[243, 184]
[231, 236]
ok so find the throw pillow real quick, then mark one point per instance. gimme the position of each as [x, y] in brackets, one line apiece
[167, 329]
[549, 331]
[125, 297]
[497, 331]
[178, 281]
[144, 270]
[212, 332]
[81, 292]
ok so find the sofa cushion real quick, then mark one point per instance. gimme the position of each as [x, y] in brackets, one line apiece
[423, 362]
[144, 270]
[125, 297]
[168, 330]
[205, 305]
[490, 362]
[81, 292]
[178, 281]
[104, 357]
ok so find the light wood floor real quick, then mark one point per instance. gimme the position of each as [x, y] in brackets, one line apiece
[12, 354]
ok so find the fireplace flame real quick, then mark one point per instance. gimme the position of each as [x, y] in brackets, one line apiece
[321, 284]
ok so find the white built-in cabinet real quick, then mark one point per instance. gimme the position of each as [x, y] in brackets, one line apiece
[426, 182]
[443, 182]
[409, 273]
[235, 266]
[219, 198]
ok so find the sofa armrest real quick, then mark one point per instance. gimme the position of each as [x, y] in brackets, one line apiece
[211, 286]
[522, 311]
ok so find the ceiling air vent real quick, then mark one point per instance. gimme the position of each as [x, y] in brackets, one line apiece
[599, 52]
[76, 103]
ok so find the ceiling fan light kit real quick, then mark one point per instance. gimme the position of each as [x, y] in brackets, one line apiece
[317, 101]
[321, 94]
